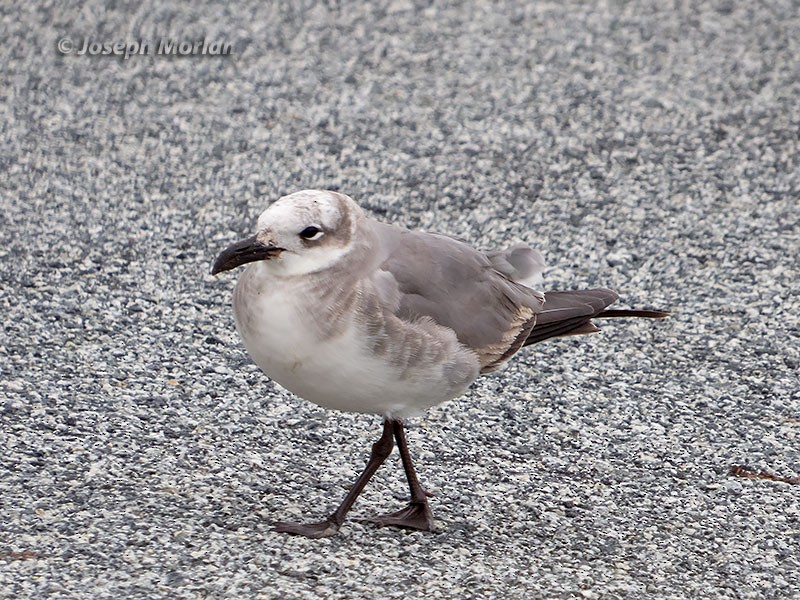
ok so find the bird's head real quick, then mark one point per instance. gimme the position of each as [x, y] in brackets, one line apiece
[300, 233]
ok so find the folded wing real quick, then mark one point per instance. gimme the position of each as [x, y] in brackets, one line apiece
[446, 280]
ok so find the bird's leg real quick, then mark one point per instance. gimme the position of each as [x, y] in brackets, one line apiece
[380, 450]
[417, 515]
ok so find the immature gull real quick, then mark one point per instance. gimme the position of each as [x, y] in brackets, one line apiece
[361, 316]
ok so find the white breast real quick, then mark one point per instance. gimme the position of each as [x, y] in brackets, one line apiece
[278, 327]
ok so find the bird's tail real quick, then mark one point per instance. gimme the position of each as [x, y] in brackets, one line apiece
[624, 312]
[571, 313]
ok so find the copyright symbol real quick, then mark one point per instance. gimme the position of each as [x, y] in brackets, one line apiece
[65, 46]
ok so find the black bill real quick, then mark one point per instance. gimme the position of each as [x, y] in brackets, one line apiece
[240, 253]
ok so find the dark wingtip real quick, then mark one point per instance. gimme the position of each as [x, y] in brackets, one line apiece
[622, 312]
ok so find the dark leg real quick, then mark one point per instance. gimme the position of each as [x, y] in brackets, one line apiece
[380, 450]
[417, 515]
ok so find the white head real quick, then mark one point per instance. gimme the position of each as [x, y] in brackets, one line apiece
[300, 233]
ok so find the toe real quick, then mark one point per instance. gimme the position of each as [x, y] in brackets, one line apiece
[310, 530]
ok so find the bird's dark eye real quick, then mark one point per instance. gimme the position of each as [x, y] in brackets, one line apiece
[312, 232]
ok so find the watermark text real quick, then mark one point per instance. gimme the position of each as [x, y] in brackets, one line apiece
[160, 47]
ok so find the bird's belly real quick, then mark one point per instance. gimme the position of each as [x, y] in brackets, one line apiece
[341, 371]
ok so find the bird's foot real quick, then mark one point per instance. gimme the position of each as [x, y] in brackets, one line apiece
[325, 528]
[417, 515]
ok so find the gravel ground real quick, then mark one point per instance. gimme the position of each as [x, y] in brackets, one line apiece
[644, 147]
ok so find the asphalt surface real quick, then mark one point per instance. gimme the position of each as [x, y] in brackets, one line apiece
[650, 147]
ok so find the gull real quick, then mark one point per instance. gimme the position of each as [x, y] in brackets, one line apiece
[361, 316]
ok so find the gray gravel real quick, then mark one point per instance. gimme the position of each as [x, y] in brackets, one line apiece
[644, 146]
